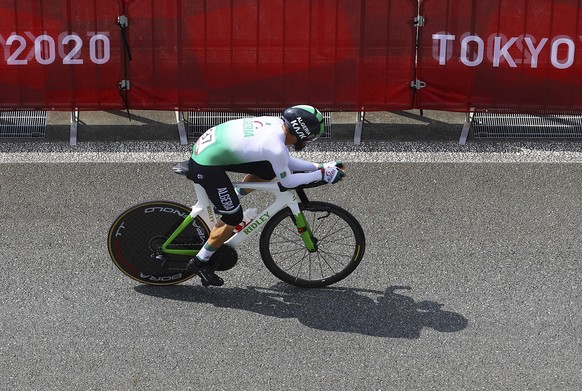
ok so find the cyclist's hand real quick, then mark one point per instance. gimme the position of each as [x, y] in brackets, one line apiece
[337, 164]
[332, 174]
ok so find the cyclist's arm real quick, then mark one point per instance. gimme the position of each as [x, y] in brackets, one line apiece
[293, 180]
[301, 165]
[281, 163]
[305, 166]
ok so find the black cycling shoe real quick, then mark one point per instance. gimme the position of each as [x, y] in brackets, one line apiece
[205, 271]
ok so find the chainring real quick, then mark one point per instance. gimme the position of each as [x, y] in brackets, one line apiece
[224, 258]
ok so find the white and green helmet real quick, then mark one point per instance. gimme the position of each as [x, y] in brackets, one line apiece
[304, 121]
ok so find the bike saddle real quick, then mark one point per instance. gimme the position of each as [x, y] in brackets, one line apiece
[181, 168]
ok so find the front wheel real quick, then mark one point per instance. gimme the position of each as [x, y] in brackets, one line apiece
[340, 246]
[136, 237]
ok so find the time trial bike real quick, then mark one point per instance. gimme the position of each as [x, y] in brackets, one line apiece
[306, 243]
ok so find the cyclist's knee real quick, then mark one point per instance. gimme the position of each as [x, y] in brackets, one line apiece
[234, 218]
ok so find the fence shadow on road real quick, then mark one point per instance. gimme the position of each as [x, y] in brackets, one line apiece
[385, 314]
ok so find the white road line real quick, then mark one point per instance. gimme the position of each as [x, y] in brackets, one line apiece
[367, 152]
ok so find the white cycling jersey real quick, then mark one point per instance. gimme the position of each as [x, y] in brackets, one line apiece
[252, 140]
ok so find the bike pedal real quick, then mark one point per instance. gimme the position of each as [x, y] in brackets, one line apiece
[204, 283]
[160, 259]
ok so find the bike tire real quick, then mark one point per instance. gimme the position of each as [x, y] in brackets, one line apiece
[136, 236]
[340, 246]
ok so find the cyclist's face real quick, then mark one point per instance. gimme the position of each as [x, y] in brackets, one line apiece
[299, 145]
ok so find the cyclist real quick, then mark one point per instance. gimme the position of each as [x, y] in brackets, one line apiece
[257, 147]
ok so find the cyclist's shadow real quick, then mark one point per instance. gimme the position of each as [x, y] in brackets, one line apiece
[383, 314]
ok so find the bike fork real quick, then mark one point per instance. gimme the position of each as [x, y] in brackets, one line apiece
[305, 232]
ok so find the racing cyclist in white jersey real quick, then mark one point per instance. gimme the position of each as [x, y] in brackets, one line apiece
[258, 147]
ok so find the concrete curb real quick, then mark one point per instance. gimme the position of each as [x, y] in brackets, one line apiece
[323, 150]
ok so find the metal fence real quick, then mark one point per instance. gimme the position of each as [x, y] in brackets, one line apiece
[22, 124]
[505, 124]
[197, 122]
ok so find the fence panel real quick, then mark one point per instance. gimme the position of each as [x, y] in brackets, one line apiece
[335, 54]
[59, 54]
[514, 54]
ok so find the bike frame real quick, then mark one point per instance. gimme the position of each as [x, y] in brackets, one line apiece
[205, 210]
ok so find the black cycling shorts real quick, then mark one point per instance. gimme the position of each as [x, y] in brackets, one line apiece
[262, 169]
[219, 189]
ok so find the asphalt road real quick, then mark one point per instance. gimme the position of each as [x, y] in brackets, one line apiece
[471, 281]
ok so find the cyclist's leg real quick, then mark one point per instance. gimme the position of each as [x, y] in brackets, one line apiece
[261, 171]
[255, 172]
[221, 193]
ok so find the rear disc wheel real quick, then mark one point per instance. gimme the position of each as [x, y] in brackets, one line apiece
[135, 242]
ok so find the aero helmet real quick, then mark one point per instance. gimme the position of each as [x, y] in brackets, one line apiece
[304, 121]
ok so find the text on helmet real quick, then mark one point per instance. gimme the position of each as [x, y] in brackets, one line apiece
[298, 124]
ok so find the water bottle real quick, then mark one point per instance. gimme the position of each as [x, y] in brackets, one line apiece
[248, 216]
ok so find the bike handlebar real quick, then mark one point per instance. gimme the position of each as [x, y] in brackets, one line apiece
[301, 187]
[300, 190]
[312, 184]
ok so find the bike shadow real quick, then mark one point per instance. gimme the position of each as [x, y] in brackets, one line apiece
[385, 314]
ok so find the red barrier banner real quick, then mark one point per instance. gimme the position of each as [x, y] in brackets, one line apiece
[59, 54]
[335, 54]
[515, 54]
[265, 53]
